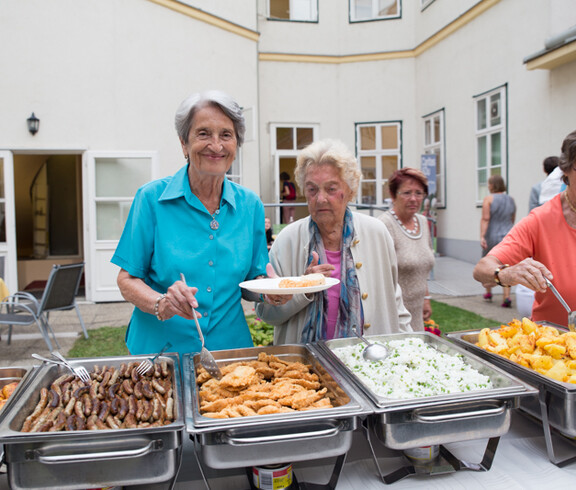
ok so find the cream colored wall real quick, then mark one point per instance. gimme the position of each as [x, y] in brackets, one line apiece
[110, 75]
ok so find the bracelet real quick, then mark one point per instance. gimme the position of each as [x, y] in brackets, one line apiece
[497, 271]
[427, 297]
[156, 307]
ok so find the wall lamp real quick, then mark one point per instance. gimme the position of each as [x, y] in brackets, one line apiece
[33, 124]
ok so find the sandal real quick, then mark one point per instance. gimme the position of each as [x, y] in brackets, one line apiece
[487, 297]
[507, 303]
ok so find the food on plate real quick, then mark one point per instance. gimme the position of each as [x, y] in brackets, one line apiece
[264, 386]
[413, 369]
[542, 348]
[304, 281]
[6, 392]
[115, 398]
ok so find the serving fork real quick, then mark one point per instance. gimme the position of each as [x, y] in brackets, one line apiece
[148, 363]
[79, 371]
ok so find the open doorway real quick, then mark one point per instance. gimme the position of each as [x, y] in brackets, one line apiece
[48, 206]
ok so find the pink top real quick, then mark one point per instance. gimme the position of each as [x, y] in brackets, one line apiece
[333, 258]
[545, 236]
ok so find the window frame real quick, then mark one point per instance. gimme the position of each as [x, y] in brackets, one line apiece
[487, 133]
[354, 20]
[440, 145]
[313, 9]
[379, 180]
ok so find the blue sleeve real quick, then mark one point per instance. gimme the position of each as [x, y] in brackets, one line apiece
[134, 251]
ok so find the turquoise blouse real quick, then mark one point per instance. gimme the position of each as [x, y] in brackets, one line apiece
[167, 233]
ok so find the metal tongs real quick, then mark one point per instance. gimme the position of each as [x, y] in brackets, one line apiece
[206, 358]
[571, 314]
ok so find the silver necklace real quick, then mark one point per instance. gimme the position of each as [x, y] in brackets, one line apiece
[415, 233]
[214, 224]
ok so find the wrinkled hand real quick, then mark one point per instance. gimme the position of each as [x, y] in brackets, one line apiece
[179, 300]
[529, 273]
[275, 299]
[314, 268]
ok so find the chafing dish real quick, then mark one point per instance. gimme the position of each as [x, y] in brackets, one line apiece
[89, 458]
[275, 438]
[555, 405]
[406, 424]
[9, 375]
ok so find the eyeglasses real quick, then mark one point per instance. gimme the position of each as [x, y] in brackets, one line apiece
[409, 194]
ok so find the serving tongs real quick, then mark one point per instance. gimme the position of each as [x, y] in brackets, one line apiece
[206, 358]
[571, 313]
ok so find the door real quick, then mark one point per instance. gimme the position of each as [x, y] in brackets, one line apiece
[8, 222]
[110, 181]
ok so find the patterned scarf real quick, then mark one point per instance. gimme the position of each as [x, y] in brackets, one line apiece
[350, 306]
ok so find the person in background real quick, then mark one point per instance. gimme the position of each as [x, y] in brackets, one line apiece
[498, 216]
[549, 164]
[334, 241]
[540, 247]
[412, 242]
[197, 224]
[288, 196]
[268, 228]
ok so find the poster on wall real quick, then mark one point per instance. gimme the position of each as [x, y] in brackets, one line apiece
[428, 167]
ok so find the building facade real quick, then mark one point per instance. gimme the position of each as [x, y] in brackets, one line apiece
[485, 86]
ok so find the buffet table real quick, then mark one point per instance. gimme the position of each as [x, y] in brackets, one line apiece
[520, 462]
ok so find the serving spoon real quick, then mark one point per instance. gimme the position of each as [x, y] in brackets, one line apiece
[372, 352]
[571, 314]
[206, 358]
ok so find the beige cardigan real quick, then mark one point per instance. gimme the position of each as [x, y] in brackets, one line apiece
[376, 268]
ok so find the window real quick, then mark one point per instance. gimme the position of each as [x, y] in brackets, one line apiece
[362, 10]
[434, 145]
[287, 141]
[378, 146]
[295, 10]
[491, 138]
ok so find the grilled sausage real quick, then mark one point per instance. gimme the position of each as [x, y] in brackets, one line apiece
[104, 411]
[127, 386]
[158, 387]
[147, 390]
[138, 390]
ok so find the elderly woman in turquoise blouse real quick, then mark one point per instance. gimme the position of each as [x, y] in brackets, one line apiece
[199, 226]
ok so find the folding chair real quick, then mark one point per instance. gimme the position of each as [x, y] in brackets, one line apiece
[22, 308]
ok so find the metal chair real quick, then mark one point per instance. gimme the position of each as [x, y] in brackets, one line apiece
[22, 308]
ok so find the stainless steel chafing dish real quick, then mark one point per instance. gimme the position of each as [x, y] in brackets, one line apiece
[405, 424]
[555, 405]
[89, 458]
[274, 438]
[9, 375]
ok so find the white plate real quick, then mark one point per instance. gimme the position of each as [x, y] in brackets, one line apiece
[270, 286]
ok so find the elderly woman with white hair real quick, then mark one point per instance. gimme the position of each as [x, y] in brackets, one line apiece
[334, 241]
[191, 238]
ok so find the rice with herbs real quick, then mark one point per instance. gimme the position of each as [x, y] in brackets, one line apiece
[413, 369]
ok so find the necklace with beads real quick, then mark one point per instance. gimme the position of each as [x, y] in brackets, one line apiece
[568, 201]
[214, 223]
[415, 233]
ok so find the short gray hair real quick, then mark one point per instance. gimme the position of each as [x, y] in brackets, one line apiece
[216, 98]
[329, 152]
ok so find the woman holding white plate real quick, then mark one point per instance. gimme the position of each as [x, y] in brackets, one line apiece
[334, 241]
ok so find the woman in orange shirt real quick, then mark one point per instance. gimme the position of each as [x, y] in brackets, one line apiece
[541, 246]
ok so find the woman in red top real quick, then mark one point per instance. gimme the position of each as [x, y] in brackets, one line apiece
[540, 246]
